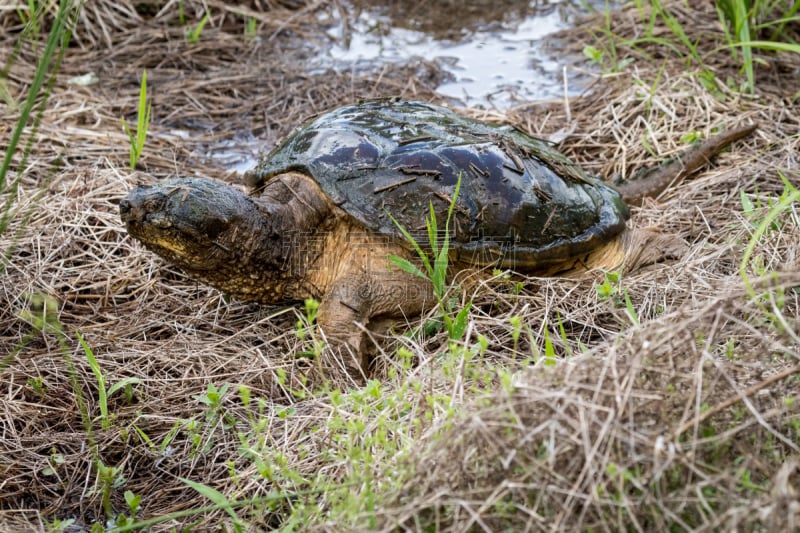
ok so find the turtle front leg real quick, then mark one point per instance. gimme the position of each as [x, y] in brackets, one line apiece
[339, 315]
[356, 300]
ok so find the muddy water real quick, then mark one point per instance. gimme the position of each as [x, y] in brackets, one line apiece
[493, 51]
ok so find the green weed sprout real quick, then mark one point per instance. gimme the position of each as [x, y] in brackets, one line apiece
[103, 393]
[142, 123]
[436, 271]
[219, 500]
[193, 35]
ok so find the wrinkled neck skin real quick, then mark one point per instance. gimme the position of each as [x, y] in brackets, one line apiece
[271, 257]
[251, 263]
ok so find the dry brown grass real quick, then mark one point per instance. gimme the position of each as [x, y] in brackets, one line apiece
[689, 421]
[651, 431]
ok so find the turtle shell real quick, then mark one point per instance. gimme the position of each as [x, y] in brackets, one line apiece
[521, 203]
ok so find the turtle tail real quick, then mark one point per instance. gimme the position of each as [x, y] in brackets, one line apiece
[652, 181]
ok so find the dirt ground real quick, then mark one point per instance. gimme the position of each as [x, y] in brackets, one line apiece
[680, 416]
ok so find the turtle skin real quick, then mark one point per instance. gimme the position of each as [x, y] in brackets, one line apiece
[521, 204]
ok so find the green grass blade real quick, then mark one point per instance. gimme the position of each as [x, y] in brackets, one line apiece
[725, 16]
[417, 248]
[564, 337]
[768, 45]
[143, 116]
[433, 229]
[677, 30]
[742, 28]
[121, 384]
[194, 35]
[137, 139]
[759, 232]
[630, 309]
[453, 202]
[218, 498]
[446, 241]
[101, 381]
[55, 37]
[549, 349]
[441, 259]
[439, 277]
[59, 36]
[459, 325]
[150, 444]
[788, 17]
[132, 141]
[407, 266]
[786, 183]
[143, 110]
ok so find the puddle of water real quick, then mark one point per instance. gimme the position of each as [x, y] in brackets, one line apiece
[494, 54]
[496, 63]
[237, 155]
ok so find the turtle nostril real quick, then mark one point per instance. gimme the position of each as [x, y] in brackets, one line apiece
[128, 211]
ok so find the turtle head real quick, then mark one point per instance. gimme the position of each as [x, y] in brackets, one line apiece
[191, 222]
[206, 227]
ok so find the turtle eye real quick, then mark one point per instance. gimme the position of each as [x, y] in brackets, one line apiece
[154, 204]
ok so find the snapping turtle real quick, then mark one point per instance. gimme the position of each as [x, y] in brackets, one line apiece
[317, 220]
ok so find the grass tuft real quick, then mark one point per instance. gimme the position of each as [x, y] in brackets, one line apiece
[436, 271]
[138, 138]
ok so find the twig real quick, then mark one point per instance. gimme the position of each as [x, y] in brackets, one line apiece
[741, 396]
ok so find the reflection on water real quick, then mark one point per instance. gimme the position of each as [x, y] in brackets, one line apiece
[237, 155]
[492, 49]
